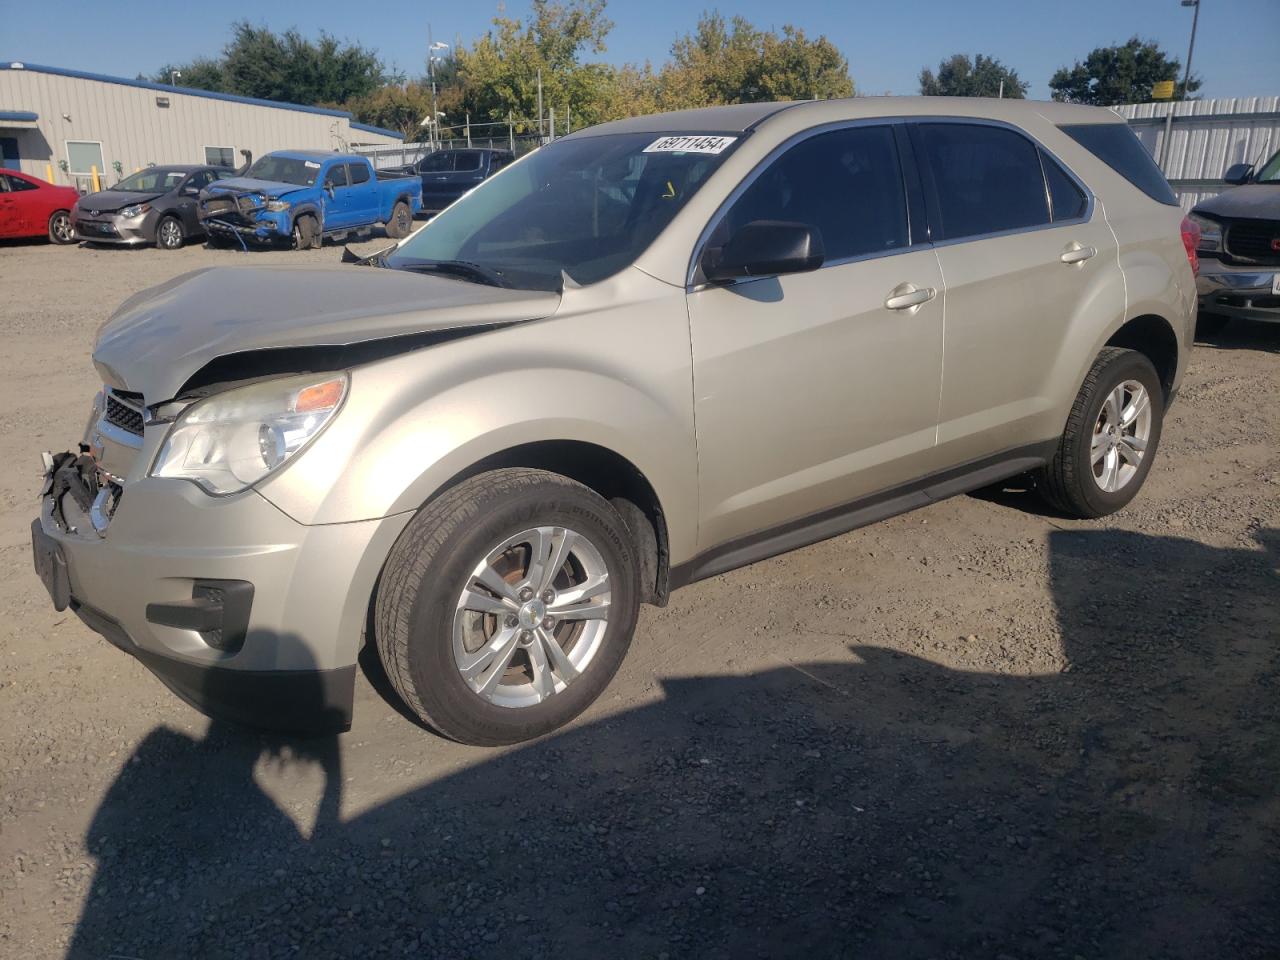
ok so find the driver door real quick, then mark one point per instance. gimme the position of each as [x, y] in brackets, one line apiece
[811, 391]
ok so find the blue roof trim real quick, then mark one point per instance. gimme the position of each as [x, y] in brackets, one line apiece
[165, 88]
[26, 115]
[366, 128]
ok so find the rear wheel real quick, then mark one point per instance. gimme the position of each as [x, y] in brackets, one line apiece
[507, 605]
[1110, 439]
[60, 228]
[169, 234]
[401, 222]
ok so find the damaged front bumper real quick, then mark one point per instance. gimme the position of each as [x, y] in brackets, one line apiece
[244, 217]
[243, 612]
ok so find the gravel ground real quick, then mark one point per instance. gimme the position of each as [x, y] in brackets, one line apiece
[978, 730]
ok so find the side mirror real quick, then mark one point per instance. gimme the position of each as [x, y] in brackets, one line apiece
[765, 248]
[191, 191]
[1238, 173]
[328, 188]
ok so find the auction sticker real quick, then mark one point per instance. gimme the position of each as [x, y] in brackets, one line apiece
[690, 144]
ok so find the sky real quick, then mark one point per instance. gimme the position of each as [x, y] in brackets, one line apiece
[887, 42]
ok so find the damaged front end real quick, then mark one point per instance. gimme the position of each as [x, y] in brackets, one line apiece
[250, 216]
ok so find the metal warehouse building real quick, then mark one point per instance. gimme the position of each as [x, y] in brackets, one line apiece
[67, 123]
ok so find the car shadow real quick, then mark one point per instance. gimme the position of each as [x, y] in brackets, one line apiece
[1241, 335]
[879, 806]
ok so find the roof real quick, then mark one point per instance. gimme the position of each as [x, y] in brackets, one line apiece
[186, 91]
[306, 154]
[738, 118]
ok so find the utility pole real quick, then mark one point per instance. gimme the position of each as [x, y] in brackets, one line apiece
[540, 130]
[1186, 79]
[432, 47]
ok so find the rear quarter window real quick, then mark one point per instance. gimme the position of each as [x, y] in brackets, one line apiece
[1117, 146]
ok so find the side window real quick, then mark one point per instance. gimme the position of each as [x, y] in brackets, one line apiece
[497, 161]
[358, 172]
[847, 183]
[4, 183]
[1067, 201]
[199, 180]
[337, 176]
[17, 184]
[985, 179]
[439, 162]
[1119, 148]
[467, 162]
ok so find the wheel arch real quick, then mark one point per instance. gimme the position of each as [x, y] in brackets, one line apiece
[613, 477]
[1153, 336]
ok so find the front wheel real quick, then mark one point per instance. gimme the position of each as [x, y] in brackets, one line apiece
[306, 233]
[169, 235]
[60, 230]
[1110, 439]
[507, 605]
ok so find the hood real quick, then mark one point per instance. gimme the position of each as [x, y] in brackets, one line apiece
[240, 185]
[1253, 201]
[162, 336]
[109, 201]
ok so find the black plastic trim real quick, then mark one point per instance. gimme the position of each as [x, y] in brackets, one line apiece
[218, 610]
[859, 513]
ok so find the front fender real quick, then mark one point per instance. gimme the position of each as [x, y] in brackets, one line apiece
[412, 422]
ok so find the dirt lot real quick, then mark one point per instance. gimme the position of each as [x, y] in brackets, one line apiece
[975, 731]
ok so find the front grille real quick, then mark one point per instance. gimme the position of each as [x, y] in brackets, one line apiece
[123, 414]
[1252, 240]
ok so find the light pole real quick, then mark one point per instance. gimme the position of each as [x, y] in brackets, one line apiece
[432, 47]
[174, 77]
[1186, 79]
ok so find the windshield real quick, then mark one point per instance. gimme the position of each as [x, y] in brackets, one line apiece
[151, 180]
[586, 208]
[285, 170]
[1271, 172]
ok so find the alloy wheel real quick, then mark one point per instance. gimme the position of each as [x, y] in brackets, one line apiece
[60, 227]
[532, 616]
[1120, 436]
[170, 234]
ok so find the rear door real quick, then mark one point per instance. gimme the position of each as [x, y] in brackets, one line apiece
[363, 195]
[8, 209]
[32, 206]
[810, 392]
[1026, 253]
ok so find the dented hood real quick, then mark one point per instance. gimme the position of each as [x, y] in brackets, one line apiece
[162, 336]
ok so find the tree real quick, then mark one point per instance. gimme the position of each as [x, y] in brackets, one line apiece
[286, 67]
[1119, 74]
[734, 62]
[958, 76]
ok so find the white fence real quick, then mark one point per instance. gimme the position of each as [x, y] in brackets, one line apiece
[1206, 137]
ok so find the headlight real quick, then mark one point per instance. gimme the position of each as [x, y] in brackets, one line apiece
[1210, 232]
[232, 440]
[278, 206]
[135, 211]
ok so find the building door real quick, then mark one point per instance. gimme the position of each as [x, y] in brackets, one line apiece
[9, 153]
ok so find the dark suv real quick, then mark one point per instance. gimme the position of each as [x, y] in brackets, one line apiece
[448, 174]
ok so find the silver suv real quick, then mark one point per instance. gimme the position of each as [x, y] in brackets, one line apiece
[645, 354]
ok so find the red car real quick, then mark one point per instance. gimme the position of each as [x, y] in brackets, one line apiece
[30, 207]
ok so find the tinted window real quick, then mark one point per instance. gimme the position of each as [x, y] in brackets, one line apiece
[985, 179]
[1067, 200]
[847, 183]
[498, 161]
[438, 162]
[1116, 146]
[466, 162]
[201, 178]
[17, 184]
[337, 176]
[359, 172]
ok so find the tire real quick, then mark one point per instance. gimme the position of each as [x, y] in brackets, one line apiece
[1075, 481]
[60, 230]
[1210, 324]
[401, 222]
[423, 634]
[169, 233]
[306, 234]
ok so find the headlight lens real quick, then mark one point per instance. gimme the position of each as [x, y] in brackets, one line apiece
[232, 440]
[134, 211]
[278, 206]
[1210, 233]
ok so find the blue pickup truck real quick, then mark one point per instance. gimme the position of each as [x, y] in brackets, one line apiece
[302, 196]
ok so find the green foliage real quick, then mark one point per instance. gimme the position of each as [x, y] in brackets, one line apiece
[287, 67]
[958, 76]
[734, 62]
[1120, 74]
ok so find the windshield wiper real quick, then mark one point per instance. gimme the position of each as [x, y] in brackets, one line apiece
[464, 269]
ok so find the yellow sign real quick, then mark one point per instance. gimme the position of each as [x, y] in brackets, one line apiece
[1162, 90]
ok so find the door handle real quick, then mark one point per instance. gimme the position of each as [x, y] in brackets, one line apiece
[1077, 253]
[907, 296]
